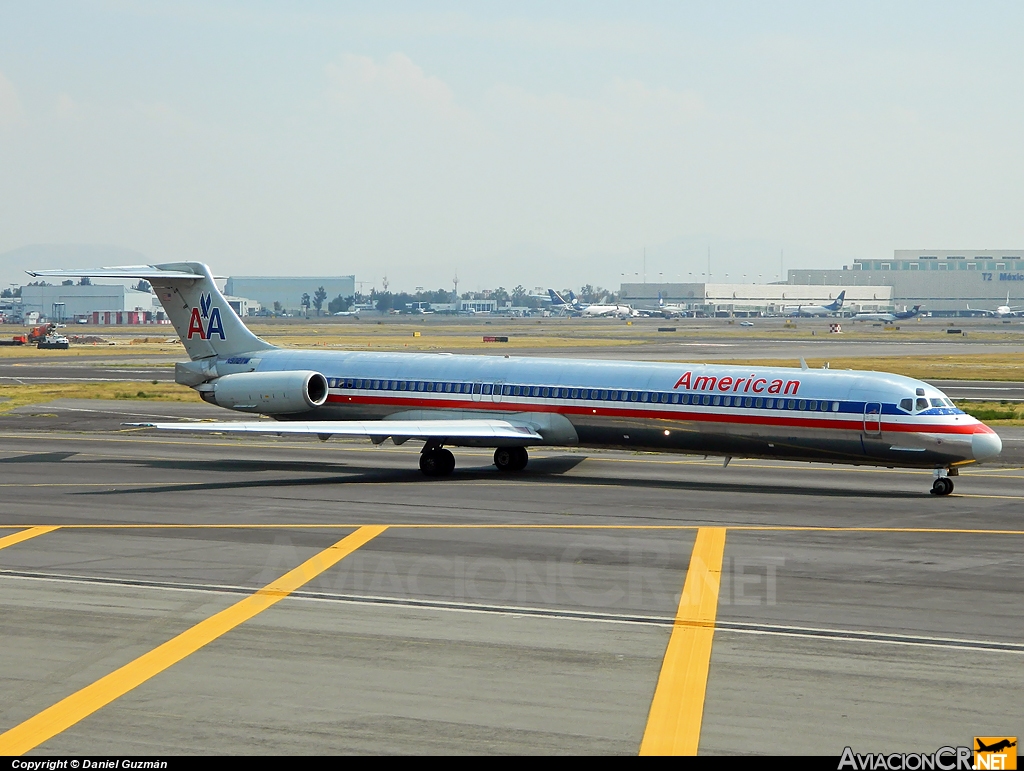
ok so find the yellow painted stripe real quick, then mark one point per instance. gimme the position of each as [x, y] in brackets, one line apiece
[79, 705]
[24, 535]
[673, 724]
[523, 526]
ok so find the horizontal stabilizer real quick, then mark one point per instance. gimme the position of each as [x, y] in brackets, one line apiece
[123, 271]
[425, 429]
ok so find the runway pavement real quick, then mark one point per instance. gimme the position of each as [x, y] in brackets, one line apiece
[262, 595]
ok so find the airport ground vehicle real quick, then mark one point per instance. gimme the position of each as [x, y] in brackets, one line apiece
[834, 416]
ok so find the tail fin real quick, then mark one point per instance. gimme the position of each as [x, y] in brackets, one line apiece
[556, 299]
[204, 321]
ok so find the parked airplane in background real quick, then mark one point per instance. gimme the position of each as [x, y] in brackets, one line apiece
[1002, 311]
[618, 311]
[671, 310]
[512, 403]
[889, 317]
[559, 304]
[817, 310]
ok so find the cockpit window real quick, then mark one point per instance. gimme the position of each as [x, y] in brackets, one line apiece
[938, 403]
[907, 405]
[922, 404]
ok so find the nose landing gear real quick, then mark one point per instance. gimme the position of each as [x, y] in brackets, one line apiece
[942, 485]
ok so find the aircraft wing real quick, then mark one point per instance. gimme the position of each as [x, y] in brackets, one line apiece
[377, 429]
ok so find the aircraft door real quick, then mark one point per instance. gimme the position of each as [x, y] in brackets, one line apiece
[496, 391]
[478, 389]
[873, 418]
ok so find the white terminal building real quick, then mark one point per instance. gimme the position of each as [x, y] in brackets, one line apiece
[756, 299]
[945, 282]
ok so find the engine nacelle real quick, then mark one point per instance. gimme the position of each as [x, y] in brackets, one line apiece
[269, 393]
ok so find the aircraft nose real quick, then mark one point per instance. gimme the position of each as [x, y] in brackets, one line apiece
[986, 446]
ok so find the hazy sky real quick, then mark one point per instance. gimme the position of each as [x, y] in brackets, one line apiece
[542, 145]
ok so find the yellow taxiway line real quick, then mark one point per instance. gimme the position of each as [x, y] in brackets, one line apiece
[498, 526]
[79, 705]
[24, 535]
[673, 724]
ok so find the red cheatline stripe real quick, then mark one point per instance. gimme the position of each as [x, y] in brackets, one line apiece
[844, 424]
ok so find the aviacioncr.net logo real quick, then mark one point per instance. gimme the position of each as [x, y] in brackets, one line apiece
[205, 321]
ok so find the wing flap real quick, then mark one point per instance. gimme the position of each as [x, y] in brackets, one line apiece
[377, 429]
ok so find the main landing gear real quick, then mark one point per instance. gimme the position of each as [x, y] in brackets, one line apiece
[435, 461]
[942, 485]
[511, 458]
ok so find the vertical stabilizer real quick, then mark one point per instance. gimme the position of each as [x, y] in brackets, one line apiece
[207, 325]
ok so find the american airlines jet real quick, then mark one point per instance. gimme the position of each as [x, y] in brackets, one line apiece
[511, 404]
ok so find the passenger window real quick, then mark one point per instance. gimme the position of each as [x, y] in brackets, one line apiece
[507, 390]
[645, 396]
[907, 405]
[675, 398]
[770, 404]
[420, 385]
[803, 404]
[727, 401]
[835, 406]
[922, 404]
[684, 398]
[705, 399]
[758, 402]
[476, 388]
[792, 404]
[812, 405]
[717, 400]
[575, 393]
[487, 388]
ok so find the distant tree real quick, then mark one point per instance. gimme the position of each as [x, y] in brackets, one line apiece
[318, 299]
[6, 293]
[501, 295]
[38, 283]
[339, 304]
[383, 301]
[305, 301]
[519, 295]
[277, 306]
[69, 282]
[143, 286]
[85, 281]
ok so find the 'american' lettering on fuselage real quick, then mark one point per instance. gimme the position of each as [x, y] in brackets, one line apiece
[755, 384]
[211, 314]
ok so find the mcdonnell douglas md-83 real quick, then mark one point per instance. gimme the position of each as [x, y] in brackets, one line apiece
[511, 404]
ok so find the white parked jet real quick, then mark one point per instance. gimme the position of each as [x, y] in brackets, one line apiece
[831, 416]
[817, 310]
[618, 311]
[1003, 311]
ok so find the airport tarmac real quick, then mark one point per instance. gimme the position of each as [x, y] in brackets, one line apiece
[273, 596]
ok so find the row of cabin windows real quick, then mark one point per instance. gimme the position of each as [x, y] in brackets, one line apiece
[600, 394]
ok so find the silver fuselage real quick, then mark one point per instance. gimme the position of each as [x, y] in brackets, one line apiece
[839, 416]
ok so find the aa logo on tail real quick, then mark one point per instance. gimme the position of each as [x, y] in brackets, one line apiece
[205, 321]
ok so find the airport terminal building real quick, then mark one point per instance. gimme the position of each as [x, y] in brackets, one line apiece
[755, 299]
[944, 282]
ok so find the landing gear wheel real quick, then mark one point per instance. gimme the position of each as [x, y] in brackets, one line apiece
[511, 458]
[942, 486]
[437, 463]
